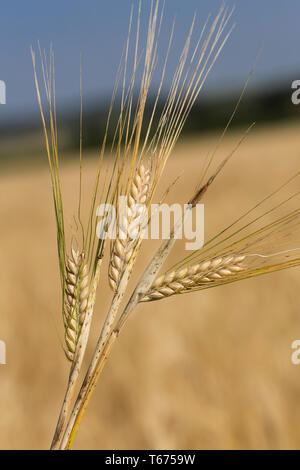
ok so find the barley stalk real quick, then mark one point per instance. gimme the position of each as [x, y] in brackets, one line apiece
[129, 226]
[177, 282]
[78, 357]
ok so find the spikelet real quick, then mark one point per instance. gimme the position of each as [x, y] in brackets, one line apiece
[178, 282]
[125, 242]
[77, 291]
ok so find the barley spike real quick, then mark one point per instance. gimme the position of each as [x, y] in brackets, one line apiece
[123, 246]
[177, 282]
[77, 291]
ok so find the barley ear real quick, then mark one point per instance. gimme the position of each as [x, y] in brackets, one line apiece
[129, 226]
[187, 278]
[76, 299]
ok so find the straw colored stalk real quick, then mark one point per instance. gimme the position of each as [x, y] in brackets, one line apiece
[78, 295]
[77, 358]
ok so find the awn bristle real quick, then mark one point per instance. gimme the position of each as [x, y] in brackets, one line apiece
[77, 291]
[177, 282]
[129, 227]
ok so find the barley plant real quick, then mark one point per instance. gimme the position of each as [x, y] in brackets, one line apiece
[261, 240]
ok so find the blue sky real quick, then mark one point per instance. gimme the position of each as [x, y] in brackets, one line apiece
[97, 29]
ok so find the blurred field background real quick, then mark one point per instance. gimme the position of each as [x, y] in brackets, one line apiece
[204, 370]
[208, 370]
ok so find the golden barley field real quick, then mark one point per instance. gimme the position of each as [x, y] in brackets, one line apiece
[206, 370]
